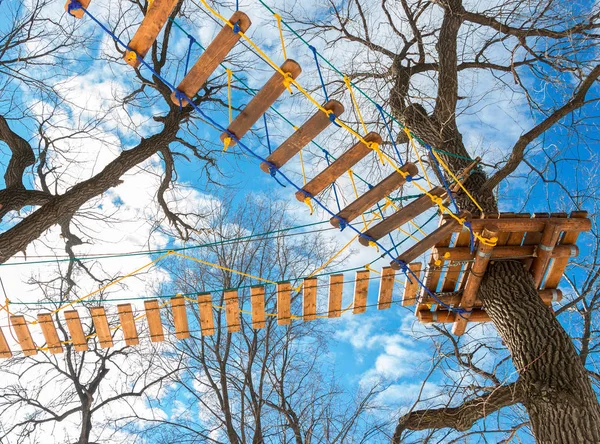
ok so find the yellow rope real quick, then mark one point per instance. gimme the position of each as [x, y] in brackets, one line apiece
[355, 102]
[412, 143]
[278, 17]
[229, 76]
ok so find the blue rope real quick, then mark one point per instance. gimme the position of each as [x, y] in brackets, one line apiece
[237, 5]
[314, 51]
[380, 109]
[267, 132]
[189, 50]
[337, 200]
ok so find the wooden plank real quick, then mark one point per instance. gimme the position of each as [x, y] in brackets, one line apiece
[210, 59]
[454, 299]
[453, 272]
[50, 334]
[447, 317]
[402, 216]
[549, 239]
[154, 321]
[4, 348]
[336, 288]
[284, 290]
[77, 13]
[434, 268]
[207, 322]
[361, 291]
[474, 280]
[533, 237]
[429, 241]
[101, 326]
[506, 252]
[78, 338]
[232, 311]
[516, 237]
[386, 288]
[514, 224]
[127, 320]
[24, 338]
[409, 295]
[309, 292]
[302, 136]
[182, 329]
[146, 34]
[261, 102]
[374, 195]
[257, 297]
[338, 167]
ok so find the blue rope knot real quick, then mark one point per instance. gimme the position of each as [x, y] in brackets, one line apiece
[181, 96]
[367, 237]
[236, 27]
[408, 178]
[370, 186]
[403, 266]
[343, 222]
[192, 39]
[74, 5]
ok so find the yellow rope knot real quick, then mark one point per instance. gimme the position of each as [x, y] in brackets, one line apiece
[307, 202]
[226, 143]
[287, 81]
[373, 244]
[150, 3]
[131, 56]
[437, 200]
[375, 147]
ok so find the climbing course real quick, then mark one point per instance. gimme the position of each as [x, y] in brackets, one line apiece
[459, 249]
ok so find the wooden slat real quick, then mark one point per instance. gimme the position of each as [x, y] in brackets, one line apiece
[429, 241]
[361, 291]
[434, 269]
[302, 136]
[402, 216]
[531, 225]
[182, 329]
[336, 288]
[533, 237]
[284, 290]
[447, 317]
[409, 296]
[210, 59]
[374, 195]
[24, 338]
[338, 167]
[4, 348]
[516, 237]
[146, 34]
[50, 334]
[101, 326]
[77, 13]
[127, 320]
[453, 272]
[154, 321]
[386, 288]
[207, 322]
[257, 298]
[454, 299]
[309, 293]
[261, 102]
[78, 338]
[473, 281]
[549, 239]
[232, 311]
[506, 252]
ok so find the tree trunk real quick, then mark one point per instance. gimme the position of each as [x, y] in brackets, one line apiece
[557, 392]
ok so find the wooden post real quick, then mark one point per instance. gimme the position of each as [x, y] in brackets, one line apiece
[261, 102]
[210, 59]
[101, 326]
[454, 299]
[154, 321]
[78, 338]
[447, 317]
[24, 338]
[232, 311]
[182, 329]
[309, 292]
[336, 288]
[207, 323]
[474, 280]
[144, 37]
[257, 298]
[402, 216]
[386, 288]
[284, 290]
[374, 195]
[77, 13]
[128, 324]
[453, 272]
[50, 334]
[338, 167]
[544, 252]
[4, 348]
[302, 136]
[409, 296]
[361, 291]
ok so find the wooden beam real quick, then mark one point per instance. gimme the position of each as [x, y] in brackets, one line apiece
[336, 288]
[232, 311]
[182, 329]
[50, 334]
[474, 280]
[261, 102]
[302, 136]
[78, 338]
[447, 317]
[257, 298]
[309, 292]
[284, 291]
[402, 216]
[361, 291]
[506, 252]
[77, 13]
[547, 243]
[207, 322]
[386, 288]
[430, 240]
[24, 338]
[127, 320]
[4, 348]
[530, 225]
[374, 195]
[154, 321]
[210, 59]
[409, 296]
[454, 299]
[338, 167]
[101, 326]
[146, 34]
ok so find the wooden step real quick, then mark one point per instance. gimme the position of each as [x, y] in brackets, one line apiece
[4, 348]
[261, 102]
[101, 326]
[24, 338]
[284, 290]
[78, 338]
[454, 299]
[361, 291]
[338, 167]
[232, 311]
[506, 252]
[309, 293]
[411, 288]
[374, 195]
[182, 329]
[146, 34]
[336, 288]
[78, 13]
[154, 321]
[386, 288]
[212, 57]
[402, 216]
[430, 240]
[128, 324]
[447, 317]
[207, 322]
[257, 299]
[50, 334]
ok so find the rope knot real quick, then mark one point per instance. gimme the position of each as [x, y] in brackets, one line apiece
[343, 222]
[308, 204]
[226, 143]
[408, 178]
[74, 5]
[236, 27]
[287, 81]
[192, 39]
